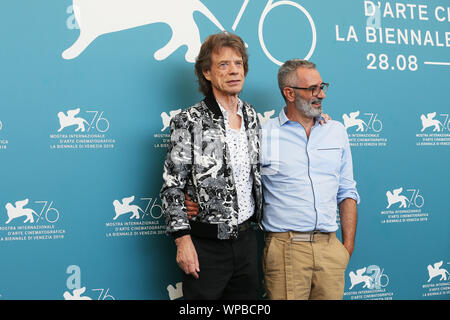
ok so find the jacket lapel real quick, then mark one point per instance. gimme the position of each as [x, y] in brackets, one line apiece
[213, 106]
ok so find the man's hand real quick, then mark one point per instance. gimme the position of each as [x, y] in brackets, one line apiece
[324, 118]
[187, 258]
[191, 207]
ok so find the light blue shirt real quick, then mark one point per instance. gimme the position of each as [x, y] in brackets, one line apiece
[304, 179]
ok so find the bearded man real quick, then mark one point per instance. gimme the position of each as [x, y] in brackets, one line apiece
[307, 172]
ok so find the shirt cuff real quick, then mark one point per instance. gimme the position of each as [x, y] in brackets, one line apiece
[351, 195]
[180, 233]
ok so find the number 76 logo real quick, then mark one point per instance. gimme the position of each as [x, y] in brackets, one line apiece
[370, 121]
[69, 119]
[48, 212]
[415, 198]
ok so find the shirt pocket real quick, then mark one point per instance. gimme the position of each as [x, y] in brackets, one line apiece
[328, 159]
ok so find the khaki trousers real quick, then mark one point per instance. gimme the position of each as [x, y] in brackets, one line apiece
[302, 270]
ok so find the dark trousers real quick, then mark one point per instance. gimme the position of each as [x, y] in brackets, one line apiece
[228, 269]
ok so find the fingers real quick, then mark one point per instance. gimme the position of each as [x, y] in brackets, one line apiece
[193, 270]
[191, 207]
[190, 268]
[325, 117]
[192, 210]
[321, 119]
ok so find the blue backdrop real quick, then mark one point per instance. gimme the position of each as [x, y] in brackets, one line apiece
[88, 88]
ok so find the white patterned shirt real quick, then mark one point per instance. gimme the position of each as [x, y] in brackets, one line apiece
[237, 143]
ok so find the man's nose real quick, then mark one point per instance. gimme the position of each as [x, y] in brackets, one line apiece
[233, 68]
[322, 95]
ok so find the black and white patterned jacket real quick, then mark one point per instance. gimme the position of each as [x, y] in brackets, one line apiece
[198, 164]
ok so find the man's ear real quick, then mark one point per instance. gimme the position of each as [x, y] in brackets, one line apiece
[289, 94]
[207, 74]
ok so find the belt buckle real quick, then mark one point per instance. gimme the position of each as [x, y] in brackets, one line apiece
[313, 234]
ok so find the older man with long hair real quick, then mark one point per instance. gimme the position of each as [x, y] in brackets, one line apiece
[213, 159]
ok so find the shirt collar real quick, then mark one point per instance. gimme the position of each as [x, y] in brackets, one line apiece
[282, 116]
[225, 112]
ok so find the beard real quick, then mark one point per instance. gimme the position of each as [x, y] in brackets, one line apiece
[306, 107]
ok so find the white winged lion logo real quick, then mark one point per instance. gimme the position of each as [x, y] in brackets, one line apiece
[395, 196]
[429, 121]
[350, 121]
[435, 270]
[17, 210]
[359, 277]
[126, 207]
[70, 120]
[98, 17]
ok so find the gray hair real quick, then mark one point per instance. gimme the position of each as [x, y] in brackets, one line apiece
[287, 74]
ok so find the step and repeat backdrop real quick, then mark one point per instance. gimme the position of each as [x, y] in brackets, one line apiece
[88, 88]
